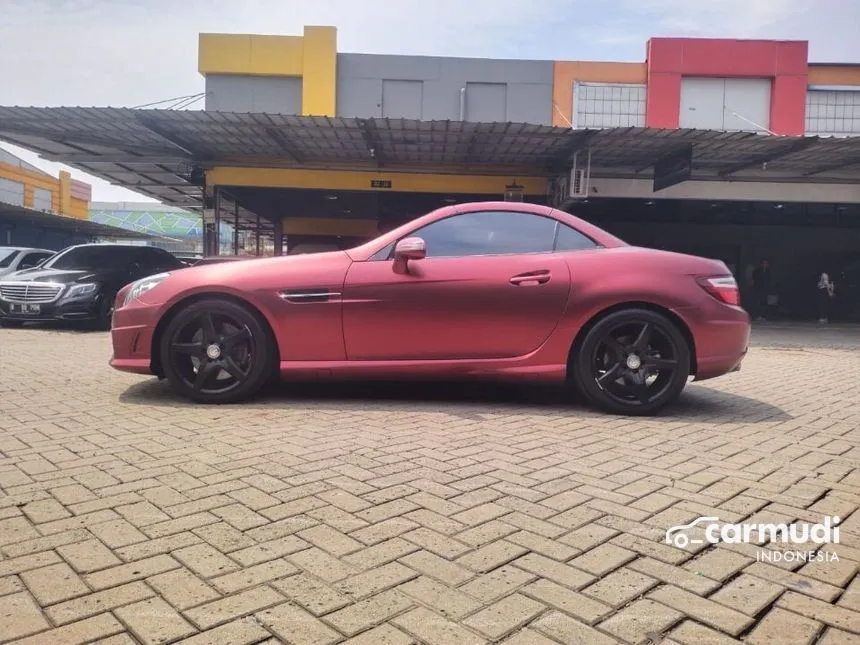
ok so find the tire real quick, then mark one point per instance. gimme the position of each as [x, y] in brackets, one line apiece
[230, 343]
[611, 380]
[102, 322]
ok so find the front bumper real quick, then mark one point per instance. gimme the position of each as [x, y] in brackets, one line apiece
[132, 331]
[84, 308]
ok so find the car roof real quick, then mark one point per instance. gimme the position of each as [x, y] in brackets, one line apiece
[26, 248]
[598, 234]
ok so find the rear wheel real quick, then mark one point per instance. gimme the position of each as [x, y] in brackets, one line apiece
[632, 362]
[217, 351]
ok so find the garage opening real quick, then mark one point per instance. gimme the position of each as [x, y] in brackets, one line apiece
[798, 240]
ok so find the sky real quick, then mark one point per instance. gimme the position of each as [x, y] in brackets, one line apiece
[127, 53]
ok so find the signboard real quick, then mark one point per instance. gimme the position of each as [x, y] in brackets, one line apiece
[380, 183]
[673, 169]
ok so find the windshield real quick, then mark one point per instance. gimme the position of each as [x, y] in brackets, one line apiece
[90, 257]
[7, 256]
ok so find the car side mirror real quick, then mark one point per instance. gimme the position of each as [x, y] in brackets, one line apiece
[410, 248]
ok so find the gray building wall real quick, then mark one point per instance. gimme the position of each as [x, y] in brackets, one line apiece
[429, 88]
[235, 93]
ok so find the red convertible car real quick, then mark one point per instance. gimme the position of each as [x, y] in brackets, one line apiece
[493, 290]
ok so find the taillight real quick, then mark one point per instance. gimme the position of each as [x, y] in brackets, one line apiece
[723, 288]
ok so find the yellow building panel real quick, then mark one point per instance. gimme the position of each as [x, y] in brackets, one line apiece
[330, 226]
[378, 181]
[319, 76]
[29, 178]
[78, 208]
[65, 207]
[250, 55]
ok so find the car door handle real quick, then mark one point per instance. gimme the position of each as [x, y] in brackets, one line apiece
[532, 277]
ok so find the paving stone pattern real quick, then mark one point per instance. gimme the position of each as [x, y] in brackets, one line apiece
[391, 514]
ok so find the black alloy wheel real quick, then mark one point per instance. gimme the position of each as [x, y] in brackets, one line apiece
[217, 351]
[633, 362]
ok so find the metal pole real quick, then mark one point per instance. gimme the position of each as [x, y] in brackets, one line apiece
[278, 226]
[216, 242]
[258, 235]
[236, 227]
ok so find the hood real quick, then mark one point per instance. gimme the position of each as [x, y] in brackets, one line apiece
[219, 270]
[51, 275]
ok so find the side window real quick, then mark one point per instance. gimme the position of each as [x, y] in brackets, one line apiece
[488, 233]
[31, 259]
[154, 261]
[7, 260]
[569, 239]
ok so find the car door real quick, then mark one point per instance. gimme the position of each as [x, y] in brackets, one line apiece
[489, 287]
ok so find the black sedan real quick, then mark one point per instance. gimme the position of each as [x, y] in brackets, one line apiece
[79, 283]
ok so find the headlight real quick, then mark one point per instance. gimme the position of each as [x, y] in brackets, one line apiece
[142, 286]
[81, 289]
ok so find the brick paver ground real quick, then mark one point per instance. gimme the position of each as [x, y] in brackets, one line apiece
[424, 514]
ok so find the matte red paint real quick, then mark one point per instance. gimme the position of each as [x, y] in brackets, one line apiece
[670, 59]
[510, 316]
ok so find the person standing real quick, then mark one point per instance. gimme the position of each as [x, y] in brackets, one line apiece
[761, 288]
[826, 291]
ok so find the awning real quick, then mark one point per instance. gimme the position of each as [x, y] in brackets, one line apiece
[20, 216]
[161, 153]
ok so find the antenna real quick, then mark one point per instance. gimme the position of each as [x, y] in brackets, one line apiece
[743, 118]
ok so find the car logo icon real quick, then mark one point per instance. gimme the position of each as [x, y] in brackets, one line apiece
[676, 537]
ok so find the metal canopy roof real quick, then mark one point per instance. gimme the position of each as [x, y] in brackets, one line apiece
[19, 215]
[156, 152]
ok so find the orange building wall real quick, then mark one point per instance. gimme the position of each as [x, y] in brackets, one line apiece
[565, 73]
[31, 180]
[834, 74]
[69, 197]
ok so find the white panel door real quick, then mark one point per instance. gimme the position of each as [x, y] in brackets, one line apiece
[747, 103]
[702, 103]
[725, 103]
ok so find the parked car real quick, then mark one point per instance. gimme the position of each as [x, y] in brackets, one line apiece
[189, 259]
[79, 283]
[483, 290]
[17, 258]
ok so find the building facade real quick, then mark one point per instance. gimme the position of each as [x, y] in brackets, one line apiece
[722, 84]
[22, 184]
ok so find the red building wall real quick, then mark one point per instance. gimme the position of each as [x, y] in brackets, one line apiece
[785, 62]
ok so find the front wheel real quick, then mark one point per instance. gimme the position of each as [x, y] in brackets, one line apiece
[632, 362]
[217, 351]
[104, 314]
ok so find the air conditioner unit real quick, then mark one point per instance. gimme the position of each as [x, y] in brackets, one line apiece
[579, 183]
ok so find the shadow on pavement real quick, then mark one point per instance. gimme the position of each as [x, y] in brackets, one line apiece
[465, 400]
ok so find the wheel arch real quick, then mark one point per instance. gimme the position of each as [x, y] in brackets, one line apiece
[164, 321]
[634, 304]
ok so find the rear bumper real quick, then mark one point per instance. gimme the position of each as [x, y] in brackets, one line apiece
[722, 336]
